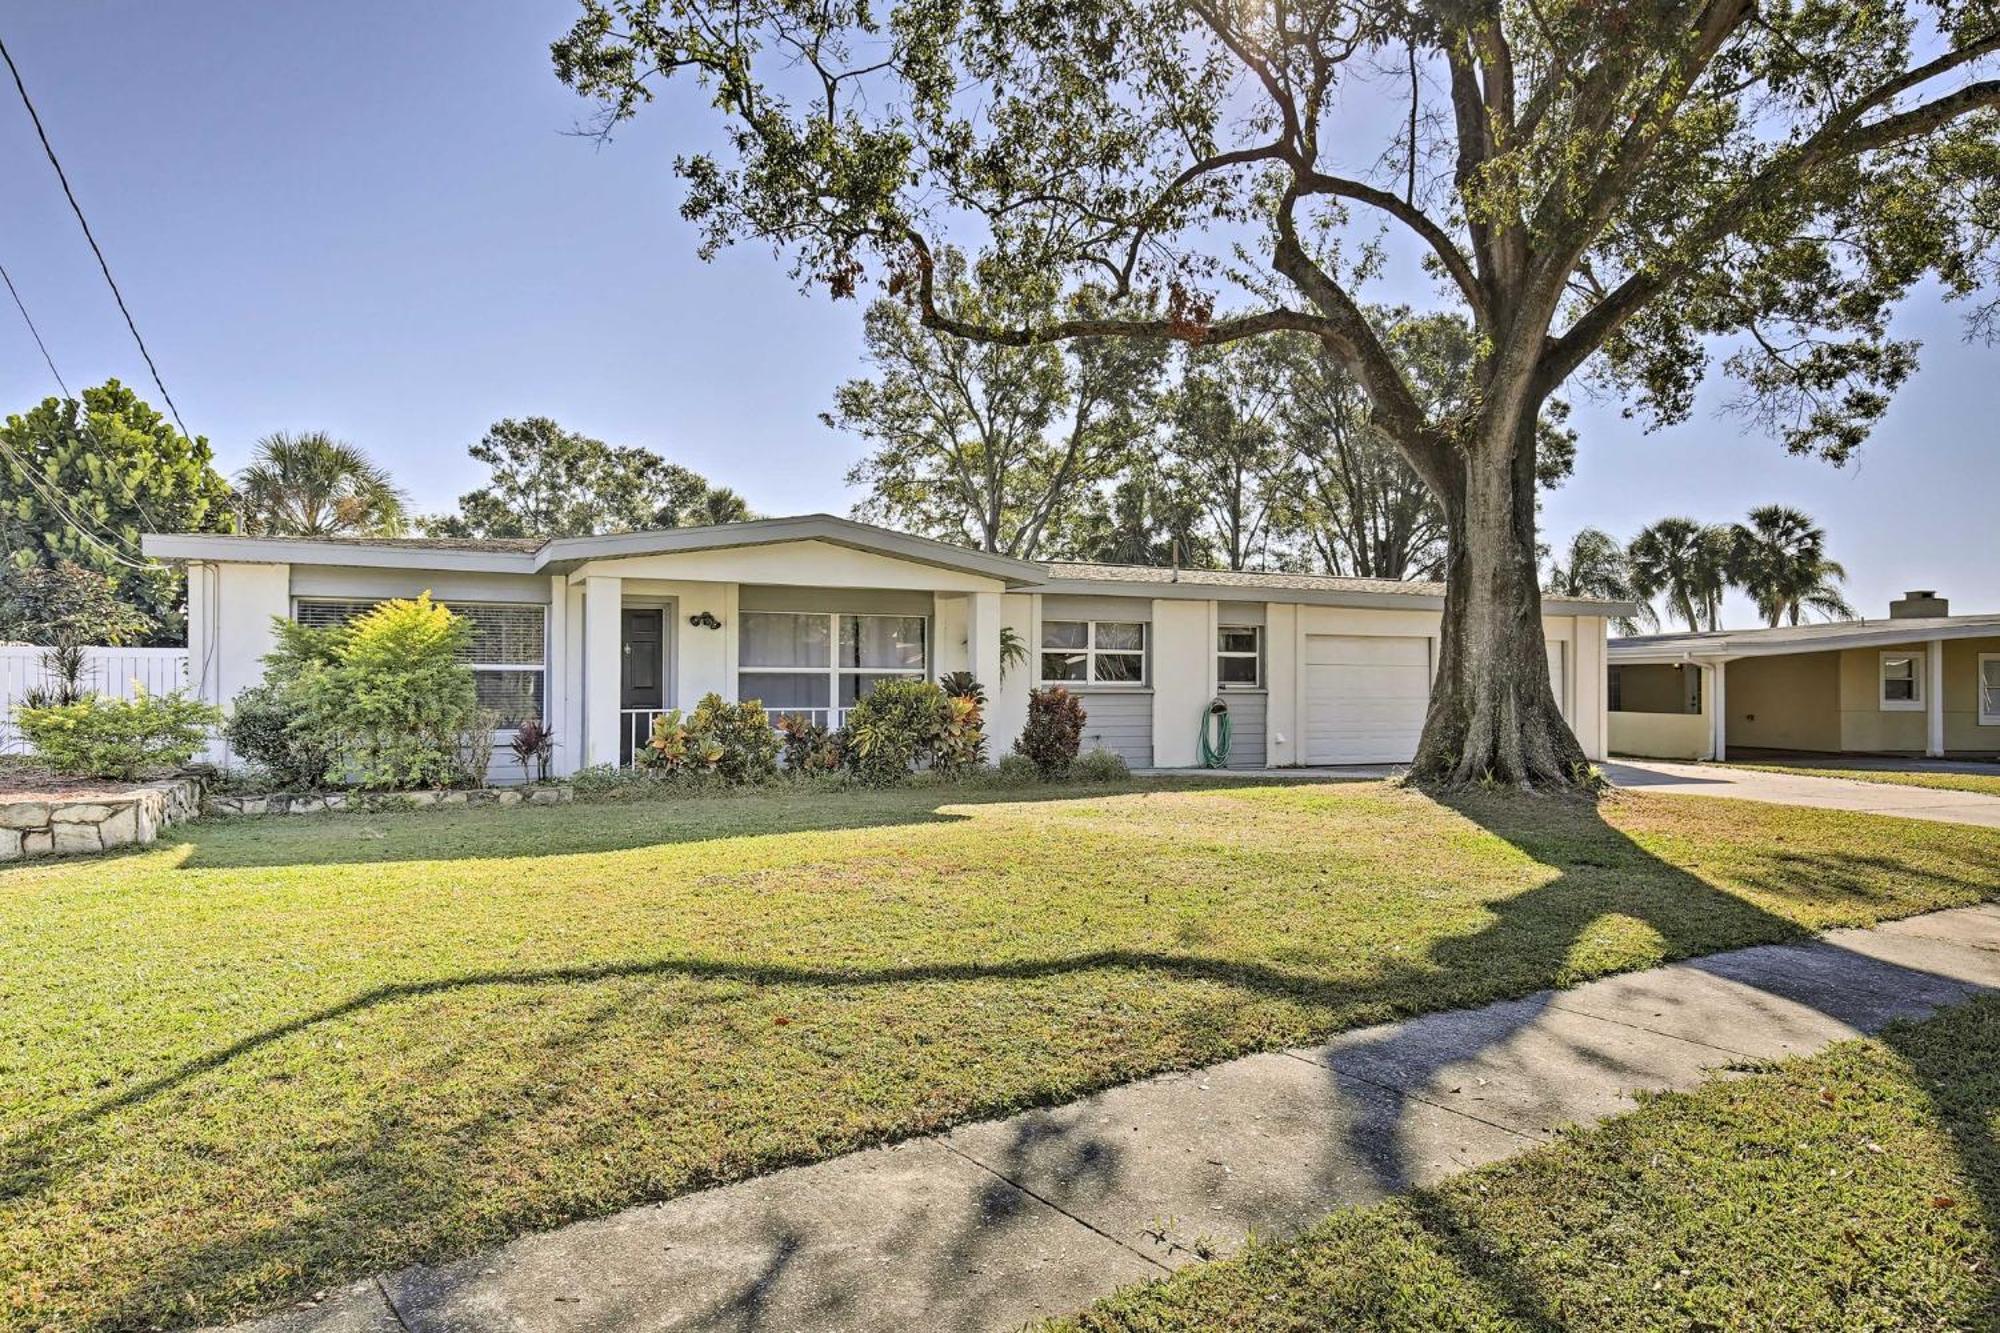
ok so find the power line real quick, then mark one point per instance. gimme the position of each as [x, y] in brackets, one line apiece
[95, 249]
[35, 332]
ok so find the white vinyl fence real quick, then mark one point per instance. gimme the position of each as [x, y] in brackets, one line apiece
[119, 672]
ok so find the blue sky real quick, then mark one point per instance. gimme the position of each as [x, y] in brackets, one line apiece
[370, 218]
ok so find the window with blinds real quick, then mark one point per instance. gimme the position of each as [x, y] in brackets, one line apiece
[508, 653]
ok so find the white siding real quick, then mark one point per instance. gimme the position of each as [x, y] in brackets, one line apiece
[1121, 723]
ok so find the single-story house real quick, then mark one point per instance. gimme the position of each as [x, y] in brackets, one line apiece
[596, 635]
[1921, 682]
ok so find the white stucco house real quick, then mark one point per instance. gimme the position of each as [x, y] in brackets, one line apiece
[598, 634]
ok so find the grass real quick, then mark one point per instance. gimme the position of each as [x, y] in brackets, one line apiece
[263, 1056]
[1857, 1189]
[1985, 783]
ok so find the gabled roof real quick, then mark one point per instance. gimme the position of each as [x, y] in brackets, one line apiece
[557, 555]
[1728, 643]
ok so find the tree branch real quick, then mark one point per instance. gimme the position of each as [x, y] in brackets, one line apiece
[1440, 242]
[1561, 357]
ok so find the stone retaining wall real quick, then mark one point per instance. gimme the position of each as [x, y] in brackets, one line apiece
[59, 826]
[315, 802]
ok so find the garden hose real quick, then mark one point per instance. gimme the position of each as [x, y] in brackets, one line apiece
[1215, 753]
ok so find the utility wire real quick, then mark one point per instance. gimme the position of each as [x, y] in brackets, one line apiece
[95, 249]
[35, 332]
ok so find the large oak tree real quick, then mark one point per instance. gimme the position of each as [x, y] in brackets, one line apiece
[1624, 187]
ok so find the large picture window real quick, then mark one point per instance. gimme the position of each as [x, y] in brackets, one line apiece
[1093, 652]
[508, 653]
[805, 662]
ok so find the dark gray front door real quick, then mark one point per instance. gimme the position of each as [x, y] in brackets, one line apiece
[642, 675]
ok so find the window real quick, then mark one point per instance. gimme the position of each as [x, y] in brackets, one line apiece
[799, 662]
[1093, 652]
[1902, 681]
[508, 653]
[1237, 659]
[1989, 689]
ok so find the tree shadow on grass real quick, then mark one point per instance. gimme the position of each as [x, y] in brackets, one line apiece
[1544, 929]
[373, 1183]
[587, 827]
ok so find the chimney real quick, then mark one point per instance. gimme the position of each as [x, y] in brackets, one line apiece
[1920, 603]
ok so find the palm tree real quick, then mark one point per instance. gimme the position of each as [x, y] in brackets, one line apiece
[1780, 560]
[1595, 566]
[1689, 564]
[312, 485]
[719, 504]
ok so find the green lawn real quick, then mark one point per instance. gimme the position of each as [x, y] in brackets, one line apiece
[266, 1055]
[1858, 1189]
[1986, 783]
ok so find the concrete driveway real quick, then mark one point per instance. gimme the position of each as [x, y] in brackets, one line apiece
[1825, 793]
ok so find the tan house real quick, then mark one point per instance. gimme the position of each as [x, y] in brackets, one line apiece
[1921, 682]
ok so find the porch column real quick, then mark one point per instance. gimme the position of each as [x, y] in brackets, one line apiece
[982, 658]
[603, 599]
[1718, 706]
[1934, 699]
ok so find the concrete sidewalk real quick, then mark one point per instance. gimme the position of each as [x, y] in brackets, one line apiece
[999, 1223]
[1825, 793]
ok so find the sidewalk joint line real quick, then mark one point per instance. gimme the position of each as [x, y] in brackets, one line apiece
[1531, 1135]
[1652, 1031]
[1053, 1206]
[382, 1290]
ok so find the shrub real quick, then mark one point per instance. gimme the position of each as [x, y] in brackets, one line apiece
[96, 737]
[749, 747]
[963, 685]
[961, 745]
[1054, 731]
[260, 729]
[387, 690]
[807, 745]
[1100, 766]
[62, 664]
[733, 741]
[533, 746]
[896, 726]
[1016, 770]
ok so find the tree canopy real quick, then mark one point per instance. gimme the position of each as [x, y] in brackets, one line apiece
[993, 446]
[81, 479]
[1628, 191]
[550, 482]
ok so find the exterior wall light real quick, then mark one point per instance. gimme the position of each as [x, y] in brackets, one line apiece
[704, 620]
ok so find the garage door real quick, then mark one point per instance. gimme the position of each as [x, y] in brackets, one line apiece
[1365, 698]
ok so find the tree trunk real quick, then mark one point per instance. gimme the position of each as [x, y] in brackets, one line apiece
[1493, 714]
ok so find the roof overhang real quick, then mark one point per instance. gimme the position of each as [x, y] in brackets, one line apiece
[230, 548]
[1751, 643]
[562, 554]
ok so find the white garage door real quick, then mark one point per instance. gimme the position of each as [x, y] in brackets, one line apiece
[1365, 698]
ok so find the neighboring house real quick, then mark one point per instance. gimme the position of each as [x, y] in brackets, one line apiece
[597, 635]
[1922, 682]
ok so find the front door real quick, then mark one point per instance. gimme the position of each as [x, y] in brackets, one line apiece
[642, 676]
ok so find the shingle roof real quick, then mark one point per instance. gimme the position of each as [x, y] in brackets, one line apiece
[1229, 578]
[443, 543]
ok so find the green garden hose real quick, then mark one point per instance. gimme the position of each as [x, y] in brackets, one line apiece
[1215, 753]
